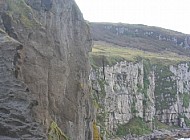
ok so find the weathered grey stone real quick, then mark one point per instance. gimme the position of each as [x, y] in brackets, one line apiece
[16, 103]
[124, 94]
[48, 81]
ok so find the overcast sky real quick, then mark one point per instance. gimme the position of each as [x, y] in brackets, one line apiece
[170, 14]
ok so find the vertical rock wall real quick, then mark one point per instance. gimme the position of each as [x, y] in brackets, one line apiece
[128, 90]
[54, 70]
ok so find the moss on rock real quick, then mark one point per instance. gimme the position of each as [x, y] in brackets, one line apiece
[96, 134]
[165, 88]
[22, 11]
[55, 133]
[134, 126]
[186, 100]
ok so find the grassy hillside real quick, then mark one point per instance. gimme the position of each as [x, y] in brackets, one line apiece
[142, 37]
[110, 54]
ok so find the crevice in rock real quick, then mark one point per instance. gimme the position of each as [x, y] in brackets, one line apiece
[4, 110]
[8, 26]
[16, 61]
[103, 66]
[46, 4]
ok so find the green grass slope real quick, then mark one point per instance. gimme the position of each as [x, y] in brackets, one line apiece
[142, 38]
[110, 54]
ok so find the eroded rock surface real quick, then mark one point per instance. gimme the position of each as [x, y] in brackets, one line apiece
[44, 69]
[128, 90]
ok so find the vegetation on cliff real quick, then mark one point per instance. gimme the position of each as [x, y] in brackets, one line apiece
[111, 54]
[155, 84]
[134, 126]
[21, 12]
[55, 133]
[165, 88]
[96, 132]
[141, 37]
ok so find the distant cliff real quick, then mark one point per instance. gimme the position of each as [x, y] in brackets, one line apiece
[138, 84]
[44, 71]
[128, 90]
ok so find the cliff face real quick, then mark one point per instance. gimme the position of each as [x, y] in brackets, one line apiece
[128, 90]
[44, 69]
[140, 80]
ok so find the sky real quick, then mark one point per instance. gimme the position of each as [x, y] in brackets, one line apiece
[169, 14]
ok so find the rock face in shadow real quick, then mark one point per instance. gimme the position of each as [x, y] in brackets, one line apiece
[44, 70]
[16, 104]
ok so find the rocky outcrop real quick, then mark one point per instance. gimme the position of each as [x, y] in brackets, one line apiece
[44, 70]
[16, 103]
[128, 90]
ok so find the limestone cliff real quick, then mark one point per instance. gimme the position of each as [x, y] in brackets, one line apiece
[137, 90]
[127, 90]
[44, 70]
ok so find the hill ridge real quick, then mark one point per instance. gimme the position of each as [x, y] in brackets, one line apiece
[143, 37]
